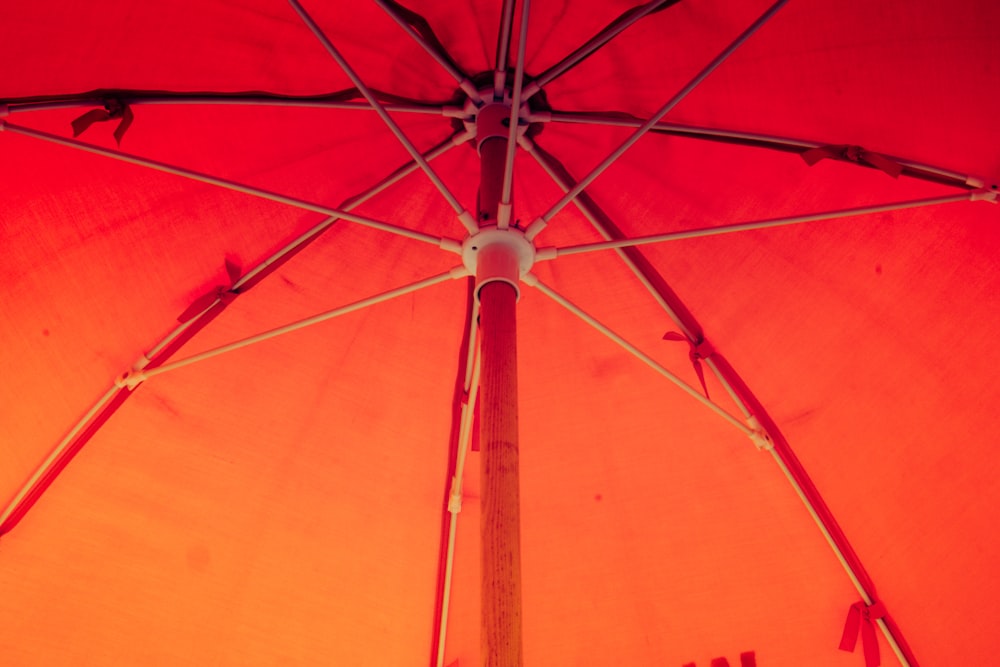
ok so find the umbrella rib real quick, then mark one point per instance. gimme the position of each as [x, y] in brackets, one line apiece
[466, 218]
[595, 43]
[754, 431]
[396, 176]
[442, 242]
[776, 451]
[809, 496]
[506, 207]
[460, 78]
[466, 423]
[503, 50]
[542, 221]
[136, 376]
[135, 98]
[552, 253]
[753, 139]
[533, 281]
[16, 504]
[51, 460]
[592, 214]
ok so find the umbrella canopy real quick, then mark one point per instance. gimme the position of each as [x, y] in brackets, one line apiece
[296, 501]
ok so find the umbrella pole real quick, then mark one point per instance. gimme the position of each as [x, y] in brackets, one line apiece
[500, 520]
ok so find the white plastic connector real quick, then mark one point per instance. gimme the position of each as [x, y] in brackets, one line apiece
[989, 195]
[974, 182]
[504, 214]
[540, 117]
[535, 228]
[453, 112]
[451, 245]
[546, 254]
[455, 497]
[758, 435]
[131, 379]
[463, 137]
[468, 220]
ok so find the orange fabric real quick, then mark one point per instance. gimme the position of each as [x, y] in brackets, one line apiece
[283, 504]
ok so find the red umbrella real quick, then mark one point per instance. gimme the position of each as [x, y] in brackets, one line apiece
[757, 278]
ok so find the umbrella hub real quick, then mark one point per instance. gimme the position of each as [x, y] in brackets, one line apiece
[492, 119]
[493, 254]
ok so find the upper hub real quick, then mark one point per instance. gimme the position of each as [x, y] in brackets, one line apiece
[491, 119]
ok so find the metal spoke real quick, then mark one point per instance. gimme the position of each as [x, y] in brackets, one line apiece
[17, 502]
[505, 208]
[44, 468]
[466, 218]
[503, 50]
[226, 100]
[461, 79]
[552, 253]
[593, 44]
[353, 202]
[465, 429]
[139, 375]
[445, 243]
[541, 222]
[533, 281]
[594, 215]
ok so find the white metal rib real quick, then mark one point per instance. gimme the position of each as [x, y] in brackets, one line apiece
[463, 81]
[645, 127]
[552, 253]
[394, 177]
[588, 48]
[448, 244]
[503, 50]
[858, 586]
[56, 452]
[582, 206]
[350, 204]
[457, 272]
[506, 206]
[180, 100]
[533, 281]
[455, 495]
[466, 218]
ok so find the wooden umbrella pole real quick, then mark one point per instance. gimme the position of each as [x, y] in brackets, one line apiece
[498, 438]
[500, 521]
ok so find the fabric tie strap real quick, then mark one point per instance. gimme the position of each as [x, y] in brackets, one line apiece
[112, 109]
[220, 293]
[855, 154]
[700, 350]
[861, 620]
[747, 659]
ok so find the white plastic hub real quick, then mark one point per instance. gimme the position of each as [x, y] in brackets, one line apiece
[493, 254]
[498, 114]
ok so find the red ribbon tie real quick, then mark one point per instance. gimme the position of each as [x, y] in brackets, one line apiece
[861, 620]
[855, 154]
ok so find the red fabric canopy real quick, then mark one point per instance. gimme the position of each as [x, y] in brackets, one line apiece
[287, 503]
